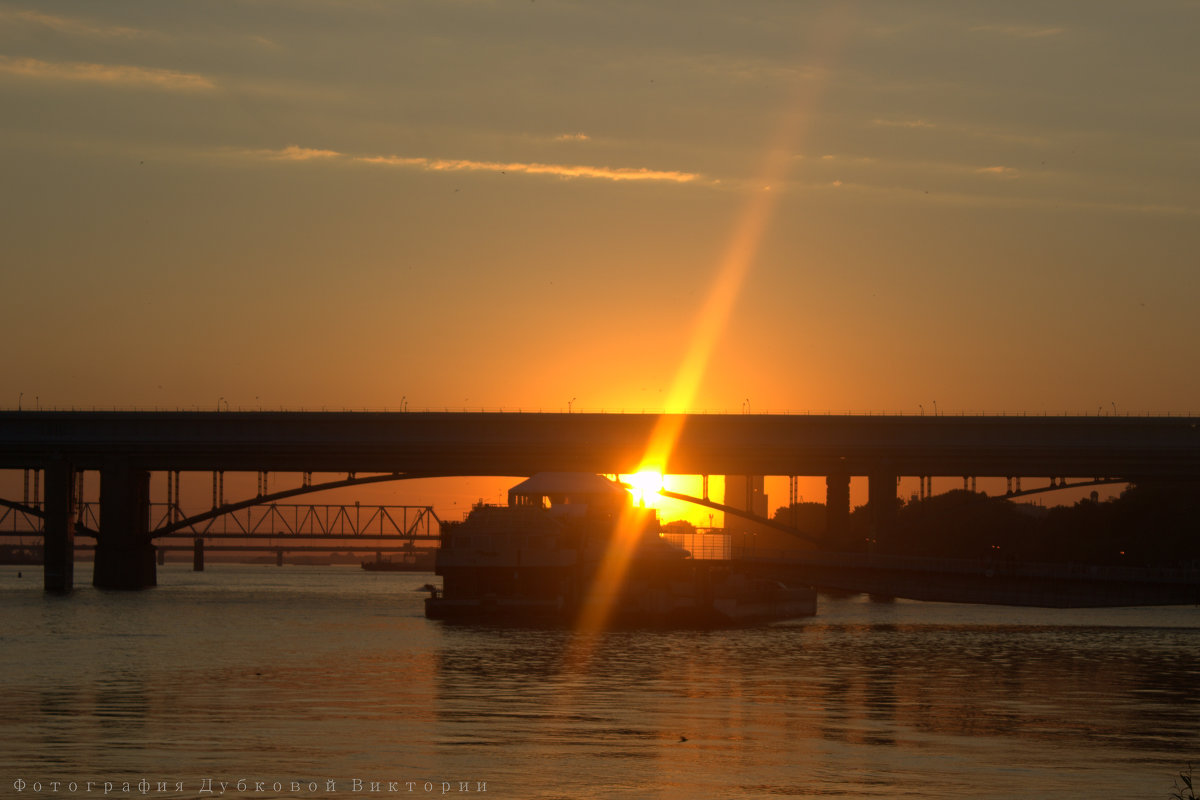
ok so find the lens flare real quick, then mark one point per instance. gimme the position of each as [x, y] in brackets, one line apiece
[645, 485]
[712, 318]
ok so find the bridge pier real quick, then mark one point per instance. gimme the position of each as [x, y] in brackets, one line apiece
[881, 503]
[837, 509]
[747, 493]
[198, 554]
[58, 552]
[124, 553]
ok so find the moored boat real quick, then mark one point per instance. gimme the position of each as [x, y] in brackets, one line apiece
[411, 562]
[548, 558]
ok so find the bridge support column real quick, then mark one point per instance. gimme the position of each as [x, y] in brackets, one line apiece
[198, 554]
[124, 553]
[745, 492]
[58, 551]
[881, 504]
[279, 558]
[837, 509]
[794, 500]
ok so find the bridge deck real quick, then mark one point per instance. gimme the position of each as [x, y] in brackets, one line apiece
[522, 444]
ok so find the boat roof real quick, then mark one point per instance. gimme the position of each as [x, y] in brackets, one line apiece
[566, 483]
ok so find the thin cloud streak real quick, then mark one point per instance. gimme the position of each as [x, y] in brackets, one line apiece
[902, 123]
[297, 153]
[637, 174]
[71, 25]
[961, 129]
[1004, 172]
[558, 170]
[113, 74]
[1024, 202]
[1019, 31]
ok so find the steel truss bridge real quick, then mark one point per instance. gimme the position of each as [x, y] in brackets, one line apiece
[264, 515]
[296, 521]
[277, 528]
[261, 520]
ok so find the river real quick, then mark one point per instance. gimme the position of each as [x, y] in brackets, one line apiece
[330, 677]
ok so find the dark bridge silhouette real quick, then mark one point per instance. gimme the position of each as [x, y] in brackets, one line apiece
[125, 447]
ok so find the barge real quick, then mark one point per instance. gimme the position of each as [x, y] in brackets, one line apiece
[546, 558]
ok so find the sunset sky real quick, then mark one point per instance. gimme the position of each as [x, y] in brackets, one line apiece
[991, 205]
[861, 206]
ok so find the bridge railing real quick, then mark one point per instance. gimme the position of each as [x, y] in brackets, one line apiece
[571, 409]
[702, 545]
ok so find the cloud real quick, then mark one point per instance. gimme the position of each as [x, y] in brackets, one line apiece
[749, 69]
[115, 74]
[974, 131]
[558, 170]
[1058, 203]
[1003, 172]
[572, 137]
[263, 41]
[71, 25]
[902, 123]
[296, 153]
[848, 160]
[1019, 31]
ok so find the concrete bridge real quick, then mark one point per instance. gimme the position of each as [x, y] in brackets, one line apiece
[124, 447]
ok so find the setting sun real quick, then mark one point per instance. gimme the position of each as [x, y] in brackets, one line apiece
[645, 485]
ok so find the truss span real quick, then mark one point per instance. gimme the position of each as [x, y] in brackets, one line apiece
[315, 517]
[168, 527]
[280, 521]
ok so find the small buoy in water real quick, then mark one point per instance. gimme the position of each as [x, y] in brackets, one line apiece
[683, 738]
[18, 573]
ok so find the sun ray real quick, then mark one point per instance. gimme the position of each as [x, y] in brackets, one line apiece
[711, 320]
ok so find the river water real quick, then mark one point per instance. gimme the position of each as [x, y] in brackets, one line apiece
[295, 677]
